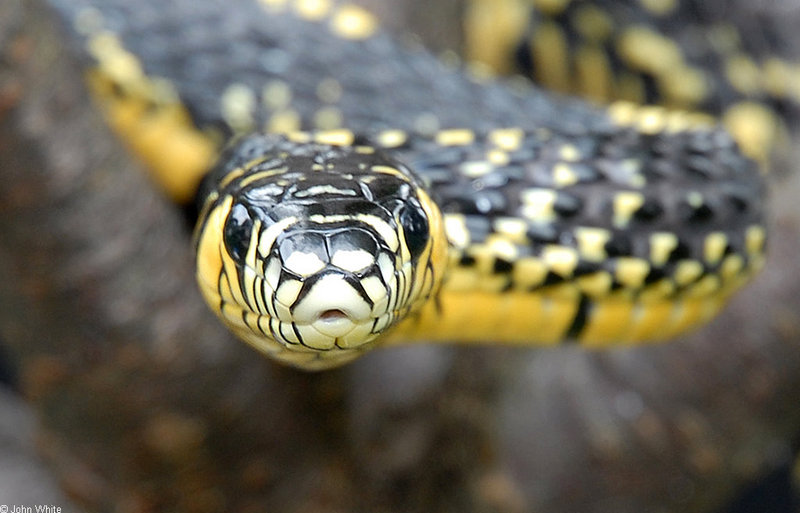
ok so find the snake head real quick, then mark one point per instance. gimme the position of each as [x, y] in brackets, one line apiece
[310, 252]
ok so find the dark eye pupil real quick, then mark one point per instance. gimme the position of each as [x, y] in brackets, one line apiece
[238, 230]
[415, 228]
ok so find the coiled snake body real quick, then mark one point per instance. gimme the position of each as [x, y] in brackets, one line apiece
[418, 203]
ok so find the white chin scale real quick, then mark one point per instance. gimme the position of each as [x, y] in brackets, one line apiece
[333, 314]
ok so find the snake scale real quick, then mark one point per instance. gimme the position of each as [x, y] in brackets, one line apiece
[369, 194]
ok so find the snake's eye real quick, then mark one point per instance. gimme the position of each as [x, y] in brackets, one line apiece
[415, 227]
[238, 230]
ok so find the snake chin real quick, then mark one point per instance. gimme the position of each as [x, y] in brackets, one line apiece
[333, 339]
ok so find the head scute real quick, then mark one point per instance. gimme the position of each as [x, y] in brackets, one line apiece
[324, 248]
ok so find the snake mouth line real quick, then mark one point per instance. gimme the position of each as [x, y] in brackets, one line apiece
[333, 329]
[333, 315]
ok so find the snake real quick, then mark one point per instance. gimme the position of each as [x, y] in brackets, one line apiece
[355, 191]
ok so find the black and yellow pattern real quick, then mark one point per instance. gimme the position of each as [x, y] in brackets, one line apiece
[720, 58]
[544, 219]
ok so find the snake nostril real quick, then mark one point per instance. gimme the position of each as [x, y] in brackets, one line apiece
[332, 315]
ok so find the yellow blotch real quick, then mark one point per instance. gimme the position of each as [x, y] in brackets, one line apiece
[119, 65]
[593, 71]
[661, 247]
[514, 229]
[626, 203]
[477, 168]
[645, 50]
[593, 23]
[695, 199]
[570, 153]
[596, 285]
[352, 22]
[564, 175]
[754, 240]
[658, 291]
[313, 10]
[538, 204]
[491, 29]
[731, 267]
[551, 7]
[755, 128]
[456, 137]
[684, 87]
[341, 137]
[659, 7]
[456, 229]
[498, 157]
[778, 77]
[284, 121]
[551, 55]
[327, 118]
[678, 121]
[743, 74]
[508, 139]
[706, 286]
[528, 273]
[238, 104]
[592, 242]
[503, 248]
[688, 271]
[561, 260]
[714, 247]
[276, 95]
[392, 138]
[631, 272]
[623, 113]
[652, 120]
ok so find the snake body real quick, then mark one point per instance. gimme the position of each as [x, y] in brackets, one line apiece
[397, 199]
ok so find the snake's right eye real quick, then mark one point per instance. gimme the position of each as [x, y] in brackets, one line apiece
[238, 231]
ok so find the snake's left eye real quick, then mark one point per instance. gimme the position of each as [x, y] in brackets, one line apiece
[238, 230]
[415, 227]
